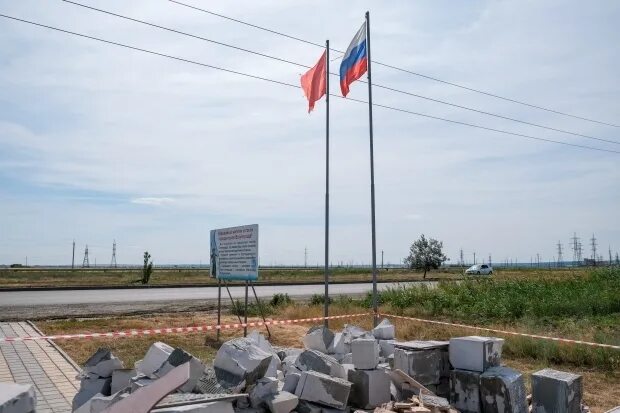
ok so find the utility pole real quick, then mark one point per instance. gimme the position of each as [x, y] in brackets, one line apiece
[489, 259]
[306, 257]
[462, 262]
[537, 260]
[73, 256]
[85, 262]
[610, 256]
[560, 258]
[113, 262]
[474, 258]
[576, 246]
[382, 258]
[593, 245]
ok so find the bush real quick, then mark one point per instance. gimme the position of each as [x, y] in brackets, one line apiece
[280, 299]
[319, 299]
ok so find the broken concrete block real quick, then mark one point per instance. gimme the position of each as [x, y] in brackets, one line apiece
[175, 359]
[465, 391]
[556, 391]
[365, 353]
[384, 330]
[347, 359]
[260, 340]
[156, 355]
[17, 398]
[369, 389]
[284, 352]
[210, 407]
[317, 361]
[282, 402]
[422, 365]
[240, 360]
[435, 401]
[90, 387]
[290, 382]
[99, 402]
[121, 379]
[475, 353]
[338, 345]
[263, 388]
[274, 366]
[318, 338]
[387, 347]
[323, 389]
[351, 332]
[104, 368]
[502, 389]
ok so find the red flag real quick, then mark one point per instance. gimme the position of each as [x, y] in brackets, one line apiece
[313, 82]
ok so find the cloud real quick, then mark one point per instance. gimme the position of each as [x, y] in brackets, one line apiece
[78, 116]
[156, 201]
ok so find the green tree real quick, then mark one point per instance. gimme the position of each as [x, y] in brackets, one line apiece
[425, 254]
[147, 269]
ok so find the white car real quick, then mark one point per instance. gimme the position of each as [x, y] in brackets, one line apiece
[480, 269]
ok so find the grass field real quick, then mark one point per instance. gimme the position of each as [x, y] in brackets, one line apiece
[32, 277]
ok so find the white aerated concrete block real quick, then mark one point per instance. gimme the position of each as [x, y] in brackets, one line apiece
[282, 402]
[384, 330]
[323, 389]
[318, 338]
[475, 353]
[365, 353]
[422, 365]
[556, 391]
[157, 354]
[17, 398]
[370, 388]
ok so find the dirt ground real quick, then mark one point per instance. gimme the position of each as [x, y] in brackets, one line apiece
[601, 388]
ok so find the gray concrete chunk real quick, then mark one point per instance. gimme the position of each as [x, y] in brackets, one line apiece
[210, 407]
[370, 388]
[156, 355]
[17, 398]
[465, 391]
[384, 330]
[240, 360]
[365, 353]
[502, 389]
[290, 382]
[323, 389]
[475, 353]
[317, 361]
[556, 391]
[90, 387]
[260, 391]
[282, 402]
[423, 365]
[121, 379]
[387, 347]
[318, 338]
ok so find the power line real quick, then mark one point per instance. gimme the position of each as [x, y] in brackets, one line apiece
[298, 87]
[398, 68]
[336, 74]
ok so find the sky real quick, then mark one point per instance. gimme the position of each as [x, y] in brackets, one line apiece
[100, 143]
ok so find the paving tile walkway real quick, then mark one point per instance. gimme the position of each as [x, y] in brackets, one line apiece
[40, 363]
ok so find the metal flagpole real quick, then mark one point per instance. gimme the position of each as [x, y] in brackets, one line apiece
[372, 180]
[326, 312]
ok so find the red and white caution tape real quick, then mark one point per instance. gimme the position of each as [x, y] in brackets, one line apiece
[514, 333]
[173, 330]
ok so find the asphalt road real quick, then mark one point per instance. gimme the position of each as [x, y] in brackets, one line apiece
[70, 297]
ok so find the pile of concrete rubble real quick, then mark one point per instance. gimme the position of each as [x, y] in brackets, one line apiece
[348, 371]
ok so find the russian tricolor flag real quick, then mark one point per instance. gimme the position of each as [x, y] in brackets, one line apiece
[355, 60]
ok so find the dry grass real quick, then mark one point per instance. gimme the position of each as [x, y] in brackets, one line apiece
[601, 387]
